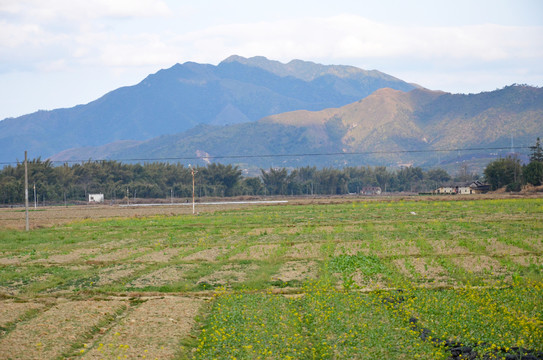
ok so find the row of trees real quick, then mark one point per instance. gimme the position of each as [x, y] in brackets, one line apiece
[163, 180]
[510, 173]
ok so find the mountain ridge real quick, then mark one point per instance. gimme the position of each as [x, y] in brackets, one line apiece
[387, 128]
[183, 96]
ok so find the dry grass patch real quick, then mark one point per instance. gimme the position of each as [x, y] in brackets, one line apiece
[399, 247]
[10, 310]
[113, 274]
[153, 330]
[163, 276]
[527, 260]
[297, 270]
[72, 257]
[261, 231]
[447, 247]
[13, 260]
[495, 247]
[481, 265]
[228, 274]
[305, 251]
[115, 255]
[206, 255]
[160, 256]
[56, 330]
[257, 252]
[429, 273]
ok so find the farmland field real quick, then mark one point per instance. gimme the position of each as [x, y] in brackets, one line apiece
[351, 279]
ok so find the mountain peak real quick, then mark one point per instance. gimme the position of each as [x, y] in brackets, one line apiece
[178, 98]
[304, 70]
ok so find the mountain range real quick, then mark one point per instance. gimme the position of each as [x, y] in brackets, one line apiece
[177, 99]
[258, 113]
[389, 127]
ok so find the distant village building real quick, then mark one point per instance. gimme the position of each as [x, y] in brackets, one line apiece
[96, 198]
[475, 187]
[371, 190]
[479, 188]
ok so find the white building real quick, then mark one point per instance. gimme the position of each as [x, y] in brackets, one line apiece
[96, 198]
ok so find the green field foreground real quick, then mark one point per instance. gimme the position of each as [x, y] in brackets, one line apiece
[391, 279]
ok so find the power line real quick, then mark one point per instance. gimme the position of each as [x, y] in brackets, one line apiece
[375, 152]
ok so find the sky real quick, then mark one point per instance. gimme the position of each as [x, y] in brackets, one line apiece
[61, 53]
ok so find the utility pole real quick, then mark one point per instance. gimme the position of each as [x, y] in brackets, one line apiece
[193, 172]
[26, 192]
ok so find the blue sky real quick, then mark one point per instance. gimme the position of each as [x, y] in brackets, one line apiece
[60, 53]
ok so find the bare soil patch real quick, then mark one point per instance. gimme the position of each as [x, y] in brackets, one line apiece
[447, 247]
[231, 273]
[69, 258]
[260, 231]
[431, 274]
[13, 260]
[305, 251]
[159, 256]
[257, 252]
[113, 274]
[399, 247]
[480, 265]
[161, 277]
[496, 247]
[527, 260]
[297, 270]
[53, 332]
[152, 330]
[116, 255]
[206, 255]
[10, 310]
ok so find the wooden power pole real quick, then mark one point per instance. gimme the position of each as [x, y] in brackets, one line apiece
[26, 192]
[193, 173]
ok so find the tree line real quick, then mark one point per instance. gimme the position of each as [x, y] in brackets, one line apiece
[508, 172]
[118, 181]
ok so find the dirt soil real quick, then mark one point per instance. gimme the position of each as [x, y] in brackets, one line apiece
[10, 311]
[53, 332]
[305, 251]
[297, 270]
[161, 277]
[206, 255]
[231, 273]
[151, 330]
[159, 256]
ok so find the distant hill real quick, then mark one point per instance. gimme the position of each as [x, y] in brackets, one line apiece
[389, 127]
[238, 90]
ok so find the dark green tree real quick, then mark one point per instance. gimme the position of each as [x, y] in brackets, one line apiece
[275, 180]
[537, 152]
[504, 172]
[533, 172]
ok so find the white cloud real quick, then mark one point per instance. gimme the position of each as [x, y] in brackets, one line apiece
[349, 36]
[76, 10]
[125, 36]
